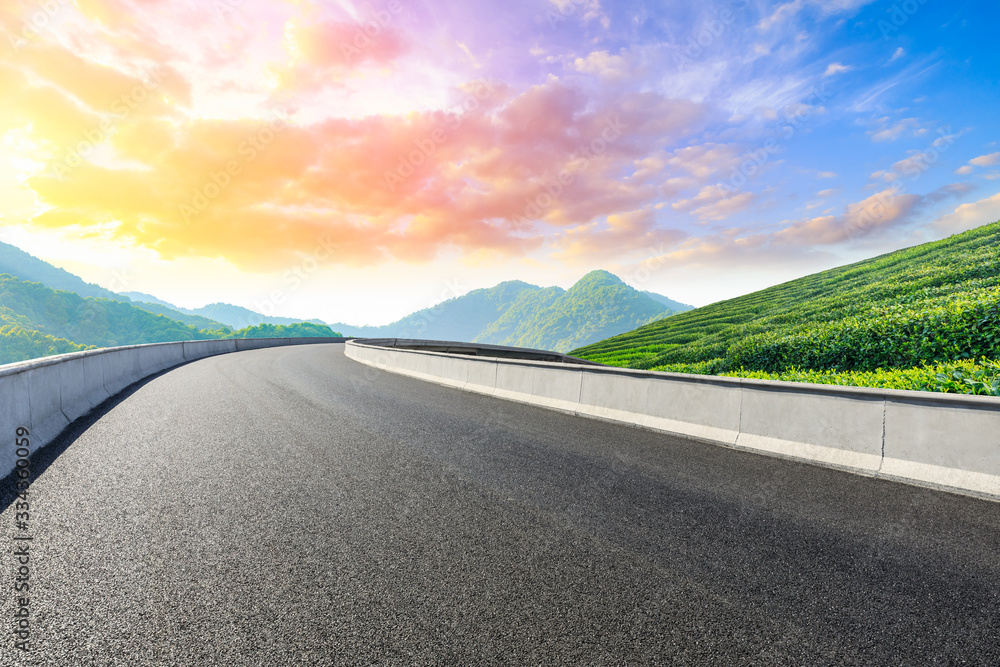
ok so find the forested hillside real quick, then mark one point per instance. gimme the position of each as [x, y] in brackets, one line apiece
[21, 265]
[597, 306]
[523, 315]
[36, 321]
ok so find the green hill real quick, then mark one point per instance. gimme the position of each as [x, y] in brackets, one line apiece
[927, 317]
[516, 313]
[597, 306]
[296, 330]
[197, 321]
[459, 319]
[17, 263]
[86, 322]
[238, 317]
[36, 321]
[212, 316]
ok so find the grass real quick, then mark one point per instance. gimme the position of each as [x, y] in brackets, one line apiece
[900, 321]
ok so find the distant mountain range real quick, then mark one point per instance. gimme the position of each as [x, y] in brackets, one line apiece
[512, 313]
[236, 317]
[17, 263]
[522, 315]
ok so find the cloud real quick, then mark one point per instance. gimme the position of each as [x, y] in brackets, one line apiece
[622, 234]
[969, 216]
[788, 11]
[964, 170]
[889, 131]
[947, 191]
[881, 211]
[836, 68]
[344, 43]
[986, 160]
[405, 187]
[827, 174]
[606, 66]
[704, 161]
[782, 13]
[885, 175]
[716, 203]
[897, 54]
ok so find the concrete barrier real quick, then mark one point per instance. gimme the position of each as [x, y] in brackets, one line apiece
[46, 395]
[121, 368]
[939, 440]
[15, 411]
[707, 408]
[953, 441]
[841, 427]
[481, 376]
[199, 349]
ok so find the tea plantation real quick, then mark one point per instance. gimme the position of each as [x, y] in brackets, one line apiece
[925, 318]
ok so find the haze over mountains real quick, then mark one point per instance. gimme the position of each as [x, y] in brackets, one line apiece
[522, 315]
[236, 317]
[512, 313]
[21, 265]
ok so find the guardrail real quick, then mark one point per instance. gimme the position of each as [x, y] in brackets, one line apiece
[933, 439]
[45, 395]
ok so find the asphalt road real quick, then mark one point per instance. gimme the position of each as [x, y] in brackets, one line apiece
[292, 507]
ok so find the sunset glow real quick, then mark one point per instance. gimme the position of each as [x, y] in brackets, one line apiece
[356, 161]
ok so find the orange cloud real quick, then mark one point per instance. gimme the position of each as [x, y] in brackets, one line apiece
[499, 171]
[248, 190]
[881, 211]
[624, 234]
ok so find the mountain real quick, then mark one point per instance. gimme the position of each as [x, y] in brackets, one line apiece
[239, 318]
[909, 319]
[214, 314]
[458, 319]
[193, 320]
[675, 306]
[17, 263]
[142, 297]
[65, 321]
[36, 321]
[295, 330]
[598, 306]
[517, 313]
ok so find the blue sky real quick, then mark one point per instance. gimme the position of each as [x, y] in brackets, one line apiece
[701, 150]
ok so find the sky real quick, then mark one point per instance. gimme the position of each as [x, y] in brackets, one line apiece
[356, 161]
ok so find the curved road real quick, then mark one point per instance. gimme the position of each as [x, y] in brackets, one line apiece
[290, 506]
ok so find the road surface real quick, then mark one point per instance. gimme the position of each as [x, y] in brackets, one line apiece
[290, 506]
